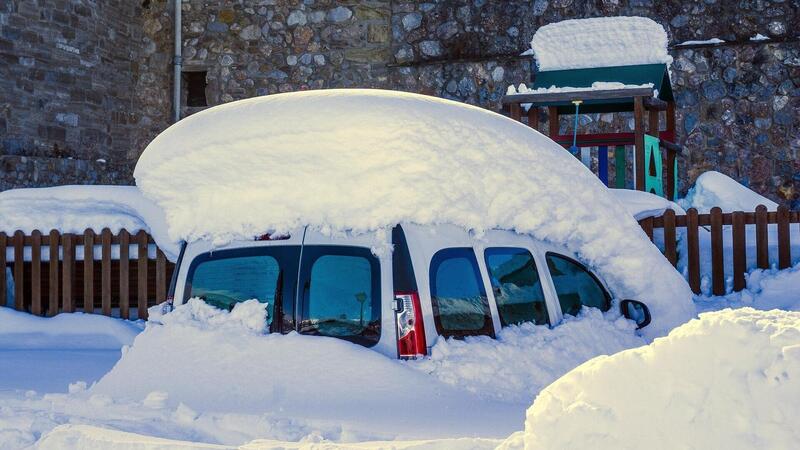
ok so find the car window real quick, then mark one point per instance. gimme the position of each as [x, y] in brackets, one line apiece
[227, 277]
[341, 293]
[516, 286]
[225, 282]
[575, 285]
[458, 298]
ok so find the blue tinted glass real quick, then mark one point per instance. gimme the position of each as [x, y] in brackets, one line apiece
[457, 294]
[225, 282]
[575, 286]
[516, 286]
[340, 298]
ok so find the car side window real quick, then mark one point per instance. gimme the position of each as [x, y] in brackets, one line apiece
[516, 286]
[575, 285]
[227, 277]
[341, 293]
[458, 298]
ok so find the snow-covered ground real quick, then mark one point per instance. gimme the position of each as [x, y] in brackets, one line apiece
[725, 380]
[206, 375]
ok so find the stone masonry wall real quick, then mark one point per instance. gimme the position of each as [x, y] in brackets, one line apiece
[738, 103]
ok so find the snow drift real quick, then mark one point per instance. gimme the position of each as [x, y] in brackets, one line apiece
[211, 360]
[726, 380]
[364, 159]
[600, 42]
[73, 209]
[715, 189]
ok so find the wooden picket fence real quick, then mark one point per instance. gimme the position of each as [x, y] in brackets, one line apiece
[72, 281]
[783, 218]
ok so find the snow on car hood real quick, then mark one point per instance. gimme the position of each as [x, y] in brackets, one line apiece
[364, 159]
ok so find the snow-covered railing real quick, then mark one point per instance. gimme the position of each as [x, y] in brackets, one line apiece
[120, 267]
[728, 237]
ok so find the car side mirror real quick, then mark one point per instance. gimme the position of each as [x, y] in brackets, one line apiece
[636, 311]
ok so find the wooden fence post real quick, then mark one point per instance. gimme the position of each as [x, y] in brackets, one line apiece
[36, 272]
[717, 261]
[52, 266]
[124, 280]
[161, 276]
[739, 250]
[67, 272]
[670, 239]
[784, 245]
[693, 250]
[647, 226]
[141, 298]
[762, 239]
[105, 269]
[19, 270]
[88, 271]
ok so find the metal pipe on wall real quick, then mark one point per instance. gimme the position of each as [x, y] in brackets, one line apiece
[176, 65]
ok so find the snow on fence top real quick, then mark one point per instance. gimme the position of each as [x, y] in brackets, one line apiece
[600, 42]
[73, 209]
[361, 160]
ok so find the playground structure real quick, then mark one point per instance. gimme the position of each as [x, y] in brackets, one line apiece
[643, 89]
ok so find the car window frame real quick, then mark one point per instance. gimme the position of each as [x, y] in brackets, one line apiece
[312, 253]
[284, 304]
[543, 280]
[488, 328]
[597, 279]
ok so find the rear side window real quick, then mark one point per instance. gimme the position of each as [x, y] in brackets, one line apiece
[341, 293]
[575, 285]
[458, 298]
[516, 286]
[228, 277]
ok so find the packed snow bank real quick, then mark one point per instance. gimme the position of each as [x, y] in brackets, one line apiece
[526, 358]
[766, 289]
[73, 209]
[76, 331]
[642, 204]
[600, 42]
[221, 362]
[715, 189]
[726, 380]
[90, 437]
[363, 159]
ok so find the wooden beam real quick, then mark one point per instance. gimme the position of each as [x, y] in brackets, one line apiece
[655, 104]
[552, 119]
[638, 131]
[558, 97]
[533, 118]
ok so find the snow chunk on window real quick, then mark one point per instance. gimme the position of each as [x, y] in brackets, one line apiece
[726, 380]
[600, 42]
[360, 160]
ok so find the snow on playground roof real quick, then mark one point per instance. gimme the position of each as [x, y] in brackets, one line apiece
[361, 160]
[600, 42]
[73, 209]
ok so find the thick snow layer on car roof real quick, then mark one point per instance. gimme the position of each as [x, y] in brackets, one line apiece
[726, 380]
[363, 159]
[600, 42]
[74, 208]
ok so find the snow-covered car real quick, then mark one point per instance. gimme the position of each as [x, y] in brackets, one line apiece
[438, 281]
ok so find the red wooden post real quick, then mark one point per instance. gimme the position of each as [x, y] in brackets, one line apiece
[762, 239]
[784, 245]
[67, 267]
[105, 270]
[19, 272]
[36, 272]
[88, 271]
[124, 275]
[52, 298]
[717, 267]
[670, 240]
[693, 250]
[739, 250]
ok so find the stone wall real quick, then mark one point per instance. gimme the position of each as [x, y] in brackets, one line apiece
[738, 103]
